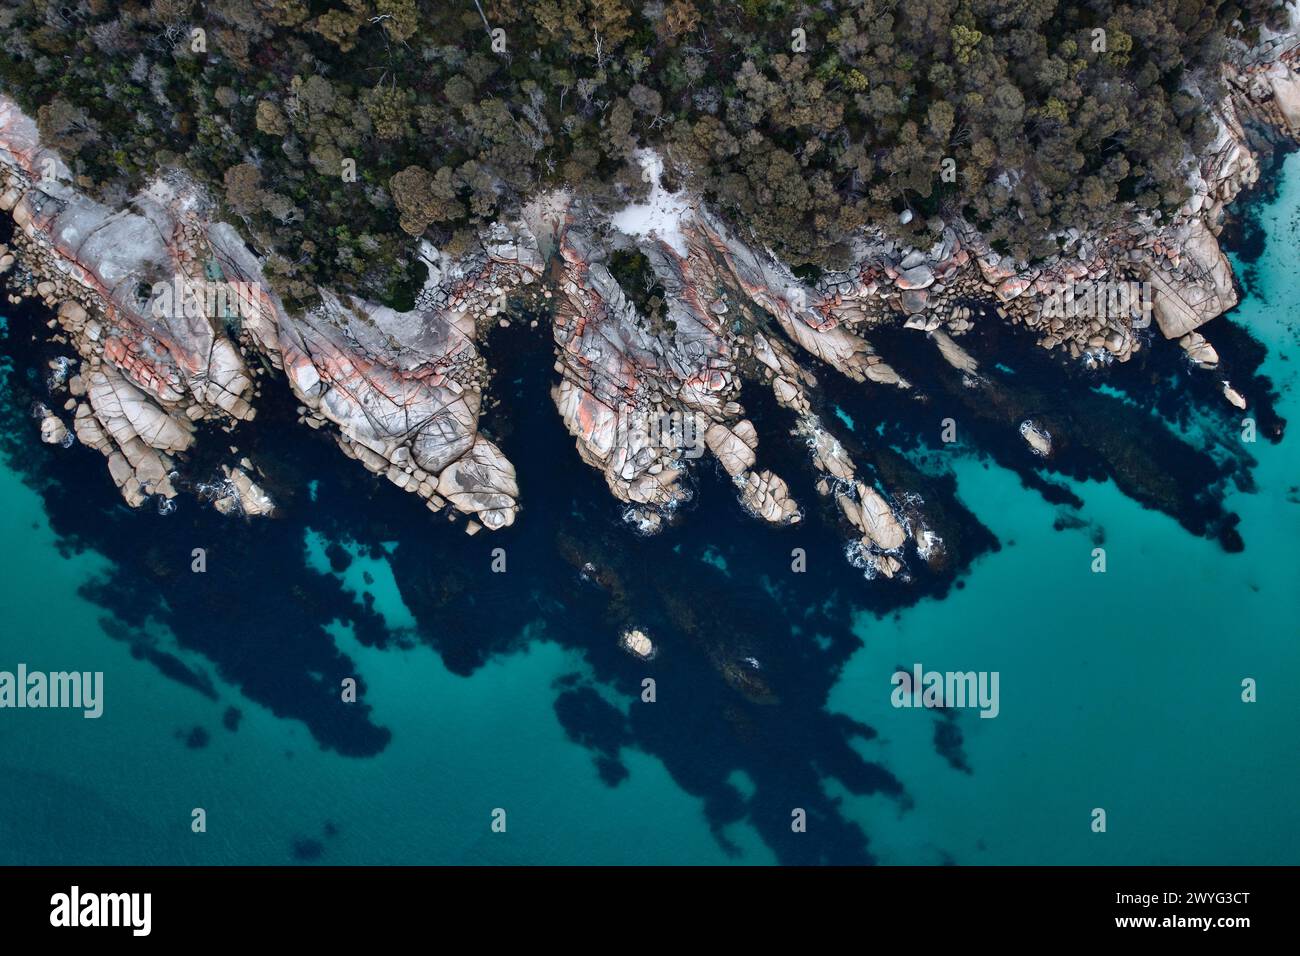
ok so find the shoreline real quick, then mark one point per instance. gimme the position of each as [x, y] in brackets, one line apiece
[404, 393]
[427, 570]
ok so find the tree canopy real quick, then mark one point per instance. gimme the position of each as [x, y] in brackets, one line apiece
[335, 130]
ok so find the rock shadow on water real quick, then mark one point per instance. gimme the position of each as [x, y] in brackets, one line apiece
[258, 613]
[740, 682]
[1095, 435]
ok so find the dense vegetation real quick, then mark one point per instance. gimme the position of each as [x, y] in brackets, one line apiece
[1054, 114]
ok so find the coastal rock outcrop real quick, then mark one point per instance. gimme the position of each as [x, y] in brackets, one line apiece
[403, 391]
[643, 398]
[151, 368]
[162, 303]
[660, 313]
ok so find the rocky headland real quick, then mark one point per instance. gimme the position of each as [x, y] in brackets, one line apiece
[660, 315]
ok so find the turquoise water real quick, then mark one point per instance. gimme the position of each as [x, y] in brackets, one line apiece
[122, 788]
[1119, 691]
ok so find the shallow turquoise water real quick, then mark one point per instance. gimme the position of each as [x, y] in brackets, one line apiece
[1118, 690]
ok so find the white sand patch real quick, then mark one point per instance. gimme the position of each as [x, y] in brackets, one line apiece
[660, 217]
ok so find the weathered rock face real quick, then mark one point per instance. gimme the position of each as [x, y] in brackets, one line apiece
[635, 641]
[404, 389]
[151, 298]
[1199, 351]
[622, 380]
[1180, 303]
[882, 533]
[954, 354]
[1285, 87]
[151, 371]
[623, 387]
[644, 402]
[1234, 397]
